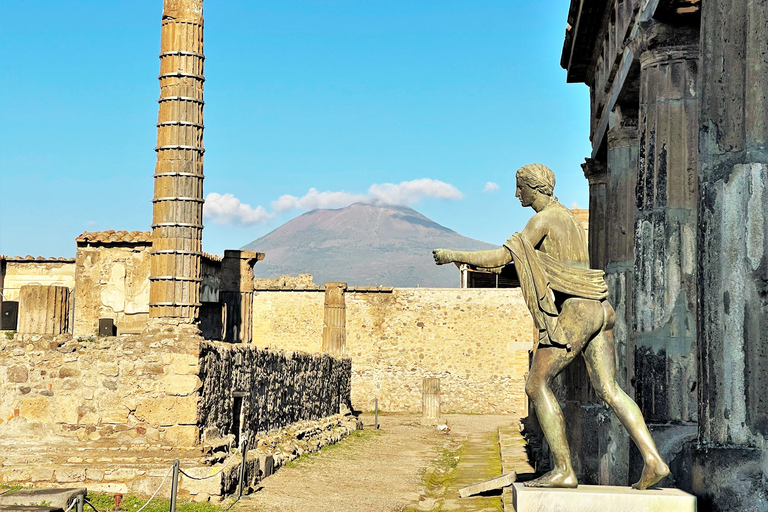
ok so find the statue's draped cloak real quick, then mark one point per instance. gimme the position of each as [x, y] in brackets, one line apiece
[540, 274]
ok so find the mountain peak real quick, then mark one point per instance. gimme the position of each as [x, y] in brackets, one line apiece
[363, 244]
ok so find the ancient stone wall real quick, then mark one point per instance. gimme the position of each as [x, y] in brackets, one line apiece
[112, 281]
[251, 390]
[131, 390]
[23, 271]
[476, 341]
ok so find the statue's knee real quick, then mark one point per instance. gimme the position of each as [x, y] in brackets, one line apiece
[533, 389]
[609, 393]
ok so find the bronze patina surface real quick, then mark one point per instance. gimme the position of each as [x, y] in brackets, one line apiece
[568, 302]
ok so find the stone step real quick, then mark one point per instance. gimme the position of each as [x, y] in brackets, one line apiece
[56, 498]
[22, 508]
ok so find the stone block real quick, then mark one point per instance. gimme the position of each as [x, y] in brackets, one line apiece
[18, 374]
[182, 364]
[59, 498]
[600, 498]
[96, 475]
[181, 436]
[168, 411]
[181, 385]
[41, 475]
[36, 408]
[67, 475]
[488, 485]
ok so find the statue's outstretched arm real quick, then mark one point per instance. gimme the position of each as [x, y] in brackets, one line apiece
[486, 259]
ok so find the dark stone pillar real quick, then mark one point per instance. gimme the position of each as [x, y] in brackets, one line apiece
[236, 294]
[664, 277]
[730, 468]
[596, 173]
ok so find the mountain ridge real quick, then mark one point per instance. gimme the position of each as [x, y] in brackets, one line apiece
[362, 244]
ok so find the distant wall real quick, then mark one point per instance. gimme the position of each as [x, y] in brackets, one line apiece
[22, 272]
[476, 341]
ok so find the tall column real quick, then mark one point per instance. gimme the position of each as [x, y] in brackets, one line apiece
[664, 277]
[177, 221]
[596, 173]
[730, 468]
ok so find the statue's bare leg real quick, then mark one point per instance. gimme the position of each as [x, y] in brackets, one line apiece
[577, 323]
[599, 356]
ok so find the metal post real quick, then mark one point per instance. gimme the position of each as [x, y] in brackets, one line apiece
[174, 484]
[80, 502]
[376, 413]
[241, 485]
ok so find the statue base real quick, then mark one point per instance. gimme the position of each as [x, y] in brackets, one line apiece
[600, 498]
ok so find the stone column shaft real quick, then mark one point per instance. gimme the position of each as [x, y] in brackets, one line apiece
[664, 287]
[335, 319]
[177, 221]
[729, 470]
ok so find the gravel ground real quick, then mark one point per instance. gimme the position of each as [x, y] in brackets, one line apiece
[375, 471]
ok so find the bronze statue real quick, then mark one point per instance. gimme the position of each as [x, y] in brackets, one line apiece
[568, 303]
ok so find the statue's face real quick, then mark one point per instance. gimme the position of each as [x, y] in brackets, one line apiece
[525, 193]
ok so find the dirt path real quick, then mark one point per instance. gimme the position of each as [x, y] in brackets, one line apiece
[377, 471]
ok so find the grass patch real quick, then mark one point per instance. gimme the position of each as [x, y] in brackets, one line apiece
[105, 502]
[345, 445]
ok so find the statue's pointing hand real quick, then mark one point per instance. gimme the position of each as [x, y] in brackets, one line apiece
[442, 256]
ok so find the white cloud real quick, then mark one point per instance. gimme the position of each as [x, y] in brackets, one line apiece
[226, 209]
[410, 192]
[314, 199]
[491, 187]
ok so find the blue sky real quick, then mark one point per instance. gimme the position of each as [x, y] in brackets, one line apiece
[431, 104]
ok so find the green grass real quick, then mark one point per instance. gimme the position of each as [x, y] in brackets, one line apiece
[105, 502]
[345, 445]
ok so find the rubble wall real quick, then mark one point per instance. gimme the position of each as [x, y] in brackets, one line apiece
[476, 341]
[133, 390]
[277, 389]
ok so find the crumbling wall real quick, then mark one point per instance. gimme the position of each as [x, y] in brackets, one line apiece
[275, 389]
[112, 281]
[477, 341]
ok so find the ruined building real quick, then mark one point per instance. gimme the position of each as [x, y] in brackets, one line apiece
[678, 217]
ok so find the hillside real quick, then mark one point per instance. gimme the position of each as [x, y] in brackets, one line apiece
[363, 244]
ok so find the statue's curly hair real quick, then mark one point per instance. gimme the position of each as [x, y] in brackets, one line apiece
[537, 176]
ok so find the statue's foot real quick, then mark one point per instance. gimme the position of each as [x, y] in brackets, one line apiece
[555, 478]
[653, 471]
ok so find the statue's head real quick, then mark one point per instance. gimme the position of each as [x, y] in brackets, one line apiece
[538, 177]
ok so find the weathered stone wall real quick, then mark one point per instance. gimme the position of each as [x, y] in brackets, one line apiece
[112, 281]
[476, 341]
[136, 390]
[22, 272]
[276, 389]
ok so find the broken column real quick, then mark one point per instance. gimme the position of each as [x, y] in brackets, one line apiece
[236, 294]
[430, 399]
[729, 470]
[43, 309]
[335, 319]
[177, 221]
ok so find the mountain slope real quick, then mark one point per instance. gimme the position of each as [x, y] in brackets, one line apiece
[363, 244]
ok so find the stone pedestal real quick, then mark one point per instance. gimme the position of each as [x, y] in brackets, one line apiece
[601, 498]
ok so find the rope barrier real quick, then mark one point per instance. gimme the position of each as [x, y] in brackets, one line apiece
[231, 457]
[72, 505]
[157, 491]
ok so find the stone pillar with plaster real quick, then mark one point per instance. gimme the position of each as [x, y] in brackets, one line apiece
[177, 221]
[335, 319]
[596, 173]
[664, 276]
[430, 399]
[237, 294]
[729, 472]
